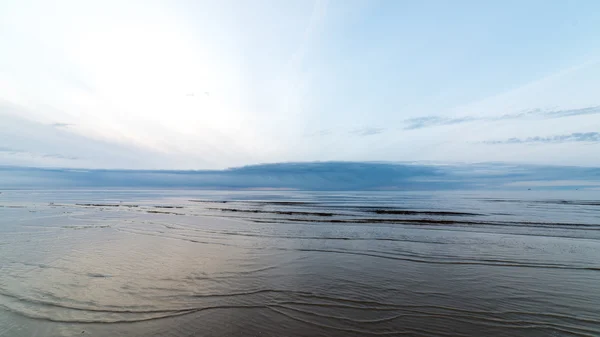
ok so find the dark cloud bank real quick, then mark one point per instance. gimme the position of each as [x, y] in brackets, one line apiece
[307, 176]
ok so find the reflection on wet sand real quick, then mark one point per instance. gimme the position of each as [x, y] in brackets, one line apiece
[299, 265]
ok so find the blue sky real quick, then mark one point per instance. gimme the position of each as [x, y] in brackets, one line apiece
[216, 84]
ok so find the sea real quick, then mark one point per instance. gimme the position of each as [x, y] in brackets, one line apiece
[290, 263]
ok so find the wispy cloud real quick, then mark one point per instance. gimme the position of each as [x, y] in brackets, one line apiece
[541, 113]
[573, 137]
[430, 121]
[59, 156]
[573, 112]
[62, 125]
[7, 151]
[4, 149]
[368, 131]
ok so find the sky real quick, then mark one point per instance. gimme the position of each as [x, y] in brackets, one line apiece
[218, 84]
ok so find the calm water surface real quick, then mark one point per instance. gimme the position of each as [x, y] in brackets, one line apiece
[173, 263]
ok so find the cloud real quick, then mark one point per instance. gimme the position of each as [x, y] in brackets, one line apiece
[59, 156]
[315, 176]
[368, 131]
[7, 151]
[541, 113]
[62, 125]
[430, 121]
[573, 137]
[306, 176]
[572, 112]
[30, 143]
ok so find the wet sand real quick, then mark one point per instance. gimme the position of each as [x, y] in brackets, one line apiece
[172, 263]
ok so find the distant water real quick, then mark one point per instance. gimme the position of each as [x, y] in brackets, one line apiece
[181, 263]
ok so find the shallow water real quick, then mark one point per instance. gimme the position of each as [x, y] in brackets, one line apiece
[181, 263]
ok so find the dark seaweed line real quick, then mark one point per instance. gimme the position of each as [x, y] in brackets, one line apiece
[105, 205]
[359, 220]
[324, 214]
[164, 212]
[463, 262]
[368, 210]
[407, 212]
[281, 203]
[556, 225]
[371, 209]
[209, 201]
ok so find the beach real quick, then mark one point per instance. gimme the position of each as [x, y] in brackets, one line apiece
[288, 263]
